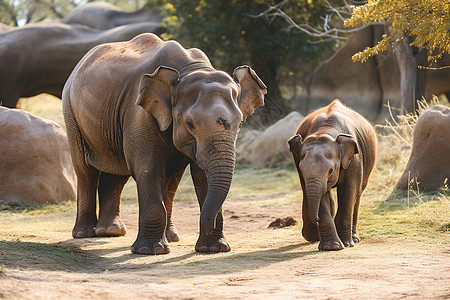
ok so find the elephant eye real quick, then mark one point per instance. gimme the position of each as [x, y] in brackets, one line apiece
[330, 172]
[190, 124]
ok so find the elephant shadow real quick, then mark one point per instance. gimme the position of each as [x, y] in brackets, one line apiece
[200, 263]
[67, 257]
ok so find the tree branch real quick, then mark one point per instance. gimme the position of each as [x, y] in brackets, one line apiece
[327, 33]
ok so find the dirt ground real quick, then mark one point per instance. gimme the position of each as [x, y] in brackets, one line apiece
[263, 263]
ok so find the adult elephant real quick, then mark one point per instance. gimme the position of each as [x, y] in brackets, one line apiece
[103, 15]
[38, 58]
[146, 109]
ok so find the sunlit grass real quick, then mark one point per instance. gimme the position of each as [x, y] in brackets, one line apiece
[44, 106]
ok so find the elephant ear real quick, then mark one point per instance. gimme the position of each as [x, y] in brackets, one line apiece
[155, 94]
[252, 90]
[294, 143]
[349, 148]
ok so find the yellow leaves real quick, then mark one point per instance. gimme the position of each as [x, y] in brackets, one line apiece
[169, 8]
[200, 5]
[426, 22]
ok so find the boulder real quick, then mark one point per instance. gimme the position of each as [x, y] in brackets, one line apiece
[35, 161]
[429, 163]
[270, 147]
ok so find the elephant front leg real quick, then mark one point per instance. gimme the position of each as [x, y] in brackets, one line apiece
[345, 218]
[151, 237]
[213, 241]
[208, 241]
[329, 239]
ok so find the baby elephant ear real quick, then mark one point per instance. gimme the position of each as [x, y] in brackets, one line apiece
[155, 94]
[295, 143]
[252, 90]
[349, 148]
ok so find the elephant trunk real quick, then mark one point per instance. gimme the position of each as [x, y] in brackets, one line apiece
[314, 193]
[219, 170]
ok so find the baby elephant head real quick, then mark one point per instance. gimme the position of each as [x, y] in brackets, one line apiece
[319, 160]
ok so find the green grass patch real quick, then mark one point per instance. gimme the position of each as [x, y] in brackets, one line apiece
[249, 182]
[44, 106]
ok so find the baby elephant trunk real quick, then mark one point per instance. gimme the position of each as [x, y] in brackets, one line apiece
[314, 193]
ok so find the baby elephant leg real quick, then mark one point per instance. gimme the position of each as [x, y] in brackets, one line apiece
[345, 225]
[329, 239]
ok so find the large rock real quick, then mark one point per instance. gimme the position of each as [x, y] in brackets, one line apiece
[35, 162]
[270, 147]
[429, 163]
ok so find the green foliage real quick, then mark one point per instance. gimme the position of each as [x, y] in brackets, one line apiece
[20, 12]
[425, 22]
[230, 33]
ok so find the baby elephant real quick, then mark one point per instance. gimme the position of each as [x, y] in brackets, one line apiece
[333, 147]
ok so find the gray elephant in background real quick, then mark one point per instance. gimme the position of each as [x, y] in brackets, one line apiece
[38, 58]
[103, 15]
[147, 108]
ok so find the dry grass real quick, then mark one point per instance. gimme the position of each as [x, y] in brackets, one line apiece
[44, 106]
[38, 237]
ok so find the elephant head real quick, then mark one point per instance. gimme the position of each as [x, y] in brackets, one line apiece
[320, 159]
[206, 108]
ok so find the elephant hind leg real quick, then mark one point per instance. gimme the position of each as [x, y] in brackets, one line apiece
[86, 203]
[87, 177]
[355, 235]
[174, 173]
[109, 191]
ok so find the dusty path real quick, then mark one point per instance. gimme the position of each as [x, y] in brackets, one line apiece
[263, 263]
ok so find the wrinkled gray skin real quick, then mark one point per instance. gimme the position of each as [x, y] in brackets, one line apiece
[146, 109]
[103, 15]
[333, 147]
[38, 58]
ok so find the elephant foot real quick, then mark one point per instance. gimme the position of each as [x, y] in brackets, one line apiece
[311, 234]
[331, 245]
[212, 243]
[112, 228]
[355, 237]
[348, 243]
[172, 234]
[150, 246]
[84, 230]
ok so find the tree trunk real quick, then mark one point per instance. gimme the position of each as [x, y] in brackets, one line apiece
[412, 79]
